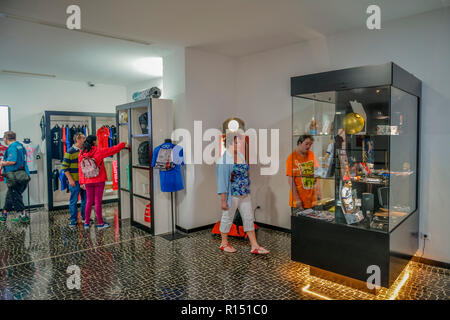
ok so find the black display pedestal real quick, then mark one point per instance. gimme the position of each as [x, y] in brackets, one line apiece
[174, 235]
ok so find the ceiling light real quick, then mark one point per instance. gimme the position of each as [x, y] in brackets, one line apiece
[152, 66]
[233, 125]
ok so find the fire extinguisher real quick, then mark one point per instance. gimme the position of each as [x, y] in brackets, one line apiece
[148, 216]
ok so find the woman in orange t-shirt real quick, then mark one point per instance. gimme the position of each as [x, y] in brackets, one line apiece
[300, 171]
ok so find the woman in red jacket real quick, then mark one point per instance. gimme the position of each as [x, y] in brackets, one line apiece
[94, 186]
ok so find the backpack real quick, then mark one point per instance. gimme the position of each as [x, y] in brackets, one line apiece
[164, 162]
[143, 154]
[143, 122]
[89, 168]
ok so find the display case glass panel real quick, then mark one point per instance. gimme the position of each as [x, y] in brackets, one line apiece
[310, 163]
[364, 154]
[403, 162]
[362, 148]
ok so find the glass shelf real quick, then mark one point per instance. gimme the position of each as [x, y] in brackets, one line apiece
[314, 135]
[141, 167]
[142, 197]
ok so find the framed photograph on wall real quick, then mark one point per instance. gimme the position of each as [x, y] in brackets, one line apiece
[5, 120]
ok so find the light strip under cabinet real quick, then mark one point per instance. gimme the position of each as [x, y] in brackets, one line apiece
[306, 289]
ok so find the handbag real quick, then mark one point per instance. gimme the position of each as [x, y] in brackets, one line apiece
[17, 177]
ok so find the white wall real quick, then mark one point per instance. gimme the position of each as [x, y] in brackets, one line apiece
[206, 92]
[419, 44]
[210, 97]
[142, 85]
[30, 97]
[174, 83]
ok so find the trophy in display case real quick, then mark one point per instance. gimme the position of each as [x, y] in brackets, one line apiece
[349, 204]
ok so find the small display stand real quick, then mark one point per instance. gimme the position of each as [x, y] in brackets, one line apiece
[174, 235]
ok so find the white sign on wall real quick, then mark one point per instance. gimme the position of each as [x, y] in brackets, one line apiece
[4, 120]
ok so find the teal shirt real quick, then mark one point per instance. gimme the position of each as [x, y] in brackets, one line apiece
[18, 154]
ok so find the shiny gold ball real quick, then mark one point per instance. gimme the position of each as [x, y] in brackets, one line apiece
[353, 123]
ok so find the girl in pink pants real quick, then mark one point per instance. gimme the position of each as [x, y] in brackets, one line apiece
[94, 194]
[95, 186]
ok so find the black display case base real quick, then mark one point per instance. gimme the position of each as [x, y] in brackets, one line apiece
[173, 236]
[349, 251]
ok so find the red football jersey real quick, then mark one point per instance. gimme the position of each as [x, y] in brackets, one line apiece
[103, 137]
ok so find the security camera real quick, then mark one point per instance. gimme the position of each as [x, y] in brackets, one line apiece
[90, 84]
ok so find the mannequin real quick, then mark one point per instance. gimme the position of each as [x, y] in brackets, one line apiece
[170, 175]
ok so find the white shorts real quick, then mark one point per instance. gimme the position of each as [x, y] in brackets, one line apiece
[244, 204]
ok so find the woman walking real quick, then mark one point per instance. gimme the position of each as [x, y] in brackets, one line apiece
[93, 176]
[233, 184]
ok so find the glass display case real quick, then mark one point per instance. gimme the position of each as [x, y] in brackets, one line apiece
[355, 161]
[365, 143]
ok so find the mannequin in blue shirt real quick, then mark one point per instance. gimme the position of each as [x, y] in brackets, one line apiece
[171, 180]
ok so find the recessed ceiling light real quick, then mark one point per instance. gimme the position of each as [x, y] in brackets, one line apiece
[233, 125]
[152, 66]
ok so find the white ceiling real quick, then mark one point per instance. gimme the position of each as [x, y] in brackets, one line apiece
[230, 27]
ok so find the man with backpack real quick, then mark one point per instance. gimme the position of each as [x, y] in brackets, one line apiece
[92, 174]
[15, 168]
[70, 170]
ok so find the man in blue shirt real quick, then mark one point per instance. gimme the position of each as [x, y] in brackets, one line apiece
[14, 160]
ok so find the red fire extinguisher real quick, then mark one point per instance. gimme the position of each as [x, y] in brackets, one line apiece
[148, 216]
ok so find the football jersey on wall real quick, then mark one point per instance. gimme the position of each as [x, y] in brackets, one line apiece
[32, 151]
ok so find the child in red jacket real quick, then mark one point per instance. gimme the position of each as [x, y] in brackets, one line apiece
[95, 186]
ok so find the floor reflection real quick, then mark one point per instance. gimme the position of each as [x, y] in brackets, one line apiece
[124, 262]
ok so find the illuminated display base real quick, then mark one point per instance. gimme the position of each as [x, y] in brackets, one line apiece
[340, 279]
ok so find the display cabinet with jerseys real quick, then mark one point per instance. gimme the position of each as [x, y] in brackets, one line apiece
[354, 170]
[58, 130]
[144, 124]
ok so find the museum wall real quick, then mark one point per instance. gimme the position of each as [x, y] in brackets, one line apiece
[419, 44]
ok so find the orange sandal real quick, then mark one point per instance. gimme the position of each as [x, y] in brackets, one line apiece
[222, 248]
[259, 251]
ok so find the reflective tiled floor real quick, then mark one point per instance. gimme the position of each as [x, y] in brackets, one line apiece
[123, 262]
